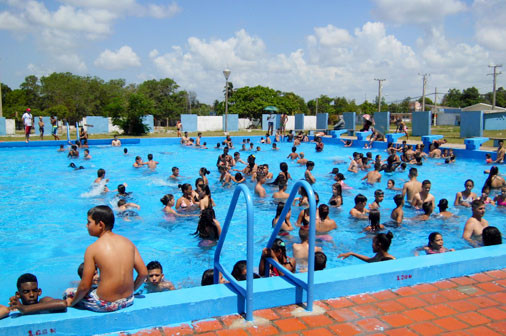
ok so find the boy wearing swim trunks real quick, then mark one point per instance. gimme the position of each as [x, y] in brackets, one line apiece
[54, 127]
[29, 292]
[116, 257]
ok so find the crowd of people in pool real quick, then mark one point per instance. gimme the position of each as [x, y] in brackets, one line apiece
[107, 282]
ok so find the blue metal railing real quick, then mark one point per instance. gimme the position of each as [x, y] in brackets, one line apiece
[77, 131]
[246, 293]
[289, 276]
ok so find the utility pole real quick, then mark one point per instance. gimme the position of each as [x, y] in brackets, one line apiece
[189, 103]
[379, 92]
[424, 76]
[495, 74]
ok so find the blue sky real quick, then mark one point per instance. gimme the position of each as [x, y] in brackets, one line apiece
[307, 47]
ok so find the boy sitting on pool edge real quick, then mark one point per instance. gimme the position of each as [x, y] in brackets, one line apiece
[116, 257]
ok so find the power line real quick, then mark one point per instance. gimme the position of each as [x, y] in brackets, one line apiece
[495, 74]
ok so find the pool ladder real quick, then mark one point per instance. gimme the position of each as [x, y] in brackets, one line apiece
[247, 292]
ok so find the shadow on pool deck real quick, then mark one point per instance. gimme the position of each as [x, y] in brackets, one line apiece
[468, 305]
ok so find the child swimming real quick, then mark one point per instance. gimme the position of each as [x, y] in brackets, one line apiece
[374, 222]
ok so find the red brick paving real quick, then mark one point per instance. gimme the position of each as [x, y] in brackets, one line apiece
[469, 305]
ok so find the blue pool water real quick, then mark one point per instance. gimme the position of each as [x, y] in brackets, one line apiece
[44, 206]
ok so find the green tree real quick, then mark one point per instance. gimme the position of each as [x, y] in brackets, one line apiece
[32, 90]
[130, 119]
[5, 89]
[323, 103]
[500, 97]
[251, 101]
[14, 104]
[367, 108]
[428, 101]
[453, 98]
[60, 111]
[384, 106]
[168, 102]
[471, 96]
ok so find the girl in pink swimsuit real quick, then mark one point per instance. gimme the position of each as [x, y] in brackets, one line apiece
[436, 244]
[500, 199]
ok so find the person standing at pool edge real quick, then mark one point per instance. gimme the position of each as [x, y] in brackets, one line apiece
[41, 128]
[270, 122]
[28, 122]
[54, 126]
[116, 257]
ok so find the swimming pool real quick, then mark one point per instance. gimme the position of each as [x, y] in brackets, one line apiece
[45, 204]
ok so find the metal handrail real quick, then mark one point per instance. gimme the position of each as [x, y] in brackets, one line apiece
[289, 276]
[246, 293]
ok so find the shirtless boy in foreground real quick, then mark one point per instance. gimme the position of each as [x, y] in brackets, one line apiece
[475, 225]
[116, 257]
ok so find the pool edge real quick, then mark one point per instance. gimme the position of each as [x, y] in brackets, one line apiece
[204, 302]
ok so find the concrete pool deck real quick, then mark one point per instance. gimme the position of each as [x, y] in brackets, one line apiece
[466, 305]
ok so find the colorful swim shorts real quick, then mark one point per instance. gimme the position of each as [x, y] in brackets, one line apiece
[92, 302]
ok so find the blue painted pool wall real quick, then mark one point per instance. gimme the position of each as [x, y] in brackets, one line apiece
[421, 122]
[211, 141]
[299, 121]
[100, 125]
[265, 124]
[204, 302]
[349, 122]
[47, 125]
[189, 122]
[3, 126]
[382, 121]
[148, 120]
[494, 121]
[471, 124]
[233, 123]
[322, 121]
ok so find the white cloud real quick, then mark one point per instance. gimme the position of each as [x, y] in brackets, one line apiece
[71, 62]
[118, 5]
[417, 11]
[69, 27]
[160, 11]
[8, 21]
[335, 62]
[490, 23]
[153, 53]
[123, 58]
[130, 7]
